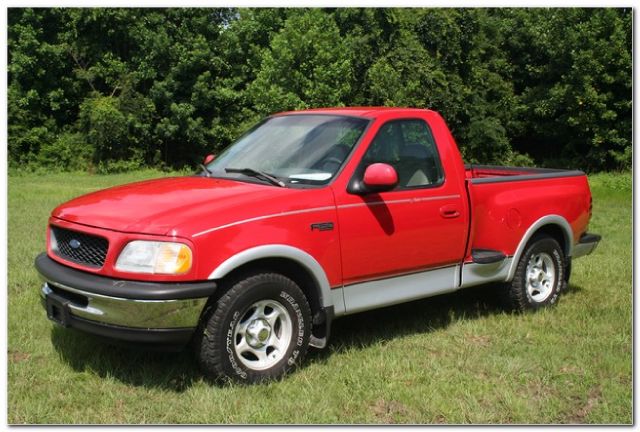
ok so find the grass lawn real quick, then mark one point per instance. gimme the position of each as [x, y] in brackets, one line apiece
[454, 358]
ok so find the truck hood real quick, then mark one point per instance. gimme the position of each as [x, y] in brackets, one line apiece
[177, 206]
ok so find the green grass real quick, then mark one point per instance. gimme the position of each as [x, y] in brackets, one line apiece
[450, 359]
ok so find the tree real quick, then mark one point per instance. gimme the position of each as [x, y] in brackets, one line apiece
[573, 78]
[306, 65]
[163, 87]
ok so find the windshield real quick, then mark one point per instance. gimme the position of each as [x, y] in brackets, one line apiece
[296, 149]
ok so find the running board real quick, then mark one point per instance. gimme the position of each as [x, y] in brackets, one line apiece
[487, 256]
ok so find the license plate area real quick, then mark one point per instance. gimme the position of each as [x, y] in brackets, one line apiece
[57, 309]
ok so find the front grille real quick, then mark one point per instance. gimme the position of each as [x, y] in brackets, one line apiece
[79, 247]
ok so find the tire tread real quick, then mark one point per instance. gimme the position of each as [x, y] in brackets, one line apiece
[514, 293]
[211, 352]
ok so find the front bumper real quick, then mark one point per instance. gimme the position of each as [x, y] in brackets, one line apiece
[133, 311]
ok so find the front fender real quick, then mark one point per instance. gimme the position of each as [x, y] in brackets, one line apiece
[328, 297]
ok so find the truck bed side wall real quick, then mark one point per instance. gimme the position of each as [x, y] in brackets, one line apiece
[502, 212]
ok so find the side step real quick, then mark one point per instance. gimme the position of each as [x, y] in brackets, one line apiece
[487, 256]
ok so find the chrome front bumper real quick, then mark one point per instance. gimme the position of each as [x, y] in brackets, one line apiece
[146, 314]
[159, 313]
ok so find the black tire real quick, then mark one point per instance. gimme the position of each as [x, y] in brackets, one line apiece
[521, 294]
[221, 334]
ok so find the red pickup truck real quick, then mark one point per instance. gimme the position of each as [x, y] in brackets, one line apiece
[309, 216]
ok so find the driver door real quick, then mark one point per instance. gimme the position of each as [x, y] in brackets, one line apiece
[417, 227]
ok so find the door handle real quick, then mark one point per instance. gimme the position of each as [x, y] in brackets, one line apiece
[449, 211]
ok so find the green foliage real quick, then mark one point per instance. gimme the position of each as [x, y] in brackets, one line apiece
[482, 131]
[519, 159]
[68, 152]
[104, 125]
[117, 128]
[120, 166]
[163, 87]
[612, 182]
[573, 76]
[306, 65]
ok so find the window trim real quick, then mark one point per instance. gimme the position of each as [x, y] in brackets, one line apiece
[359, 171]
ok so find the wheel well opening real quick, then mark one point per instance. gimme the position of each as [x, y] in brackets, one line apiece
[286, 267]
[557, 233]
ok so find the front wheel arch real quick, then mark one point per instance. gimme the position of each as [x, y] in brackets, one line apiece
[289, 257]
[286, 267]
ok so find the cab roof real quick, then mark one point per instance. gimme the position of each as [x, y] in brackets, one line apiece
[367, 112]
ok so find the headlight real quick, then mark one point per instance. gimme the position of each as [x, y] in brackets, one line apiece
[155, 257]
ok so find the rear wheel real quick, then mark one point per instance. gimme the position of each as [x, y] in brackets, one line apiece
[539, 276]
[259, 330]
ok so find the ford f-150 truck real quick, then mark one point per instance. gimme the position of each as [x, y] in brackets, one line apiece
[311, 215]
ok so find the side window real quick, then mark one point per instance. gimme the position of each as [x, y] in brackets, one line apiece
[409, 147]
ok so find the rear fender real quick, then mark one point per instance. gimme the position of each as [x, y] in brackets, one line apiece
[540, 223]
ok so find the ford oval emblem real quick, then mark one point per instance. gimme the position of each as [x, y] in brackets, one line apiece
[75, 244]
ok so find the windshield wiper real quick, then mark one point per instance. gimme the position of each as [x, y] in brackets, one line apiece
[255, 173]
[206, 171]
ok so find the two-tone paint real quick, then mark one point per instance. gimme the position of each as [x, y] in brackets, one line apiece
[360, 251]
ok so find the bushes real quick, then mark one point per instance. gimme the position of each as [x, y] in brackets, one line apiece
[116, 89]
[69, 152]
[117, 128]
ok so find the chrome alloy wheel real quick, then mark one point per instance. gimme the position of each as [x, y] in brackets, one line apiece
[263, 334]
[541, 276]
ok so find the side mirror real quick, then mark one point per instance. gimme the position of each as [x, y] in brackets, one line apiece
[380, 177]
[209, 158]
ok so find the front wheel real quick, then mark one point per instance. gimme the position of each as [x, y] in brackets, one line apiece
[539, 276]
[259, 330]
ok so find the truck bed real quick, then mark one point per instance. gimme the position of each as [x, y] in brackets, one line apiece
[479, 174]
[506, 201]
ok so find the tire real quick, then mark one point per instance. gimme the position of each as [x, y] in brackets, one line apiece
[539, 276]
[259, 330]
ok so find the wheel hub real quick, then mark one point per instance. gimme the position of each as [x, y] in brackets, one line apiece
[258, 333]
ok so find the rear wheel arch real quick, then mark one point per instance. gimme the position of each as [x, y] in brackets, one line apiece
[554, 226]
[556, 232]
[539, 277]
